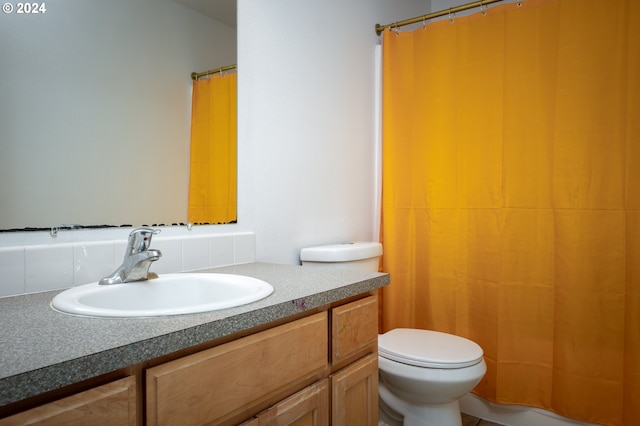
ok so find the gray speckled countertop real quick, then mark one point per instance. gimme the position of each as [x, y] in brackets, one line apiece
[43, 350]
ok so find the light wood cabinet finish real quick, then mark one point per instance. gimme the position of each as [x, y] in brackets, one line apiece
[309, 407]
[229, 383]
[112, 404]
[354, 394]
[354, 331]
[286, 375]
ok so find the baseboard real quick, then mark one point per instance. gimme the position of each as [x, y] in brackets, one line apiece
[513, 415]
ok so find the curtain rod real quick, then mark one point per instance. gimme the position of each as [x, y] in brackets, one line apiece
[197, 75]
[423, 18]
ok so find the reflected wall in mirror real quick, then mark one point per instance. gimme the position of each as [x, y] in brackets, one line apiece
[95, 105]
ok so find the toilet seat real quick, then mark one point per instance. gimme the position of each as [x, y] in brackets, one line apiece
[428, 349]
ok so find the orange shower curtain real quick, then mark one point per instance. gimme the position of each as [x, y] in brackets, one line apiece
[212, 183]
[511, 198]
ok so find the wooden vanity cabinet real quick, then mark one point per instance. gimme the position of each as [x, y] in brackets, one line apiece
[112, 404]
[314, 371]
[354, 360]
[309, 407]
[316, 383]
[353, 384]
[229, 383]
[354, 393]
[354, 331]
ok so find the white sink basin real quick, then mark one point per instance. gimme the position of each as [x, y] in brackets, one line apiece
[169, 294]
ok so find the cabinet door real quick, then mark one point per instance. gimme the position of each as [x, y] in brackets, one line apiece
[110, 404]
[354, 394]
[309, 407]
[230, 383]
[354, 331]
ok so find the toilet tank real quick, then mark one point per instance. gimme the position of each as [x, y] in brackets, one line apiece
[358, 255]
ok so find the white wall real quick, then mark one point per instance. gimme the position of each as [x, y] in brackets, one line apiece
[306, 120]
[95, 100]
[437, 5]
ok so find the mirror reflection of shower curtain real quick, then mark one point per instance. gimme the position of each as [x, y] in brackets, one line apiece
[511, 198]
[213, 180]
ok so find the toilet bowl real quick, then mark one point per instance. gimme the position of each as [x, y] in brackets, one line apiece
[423, 374]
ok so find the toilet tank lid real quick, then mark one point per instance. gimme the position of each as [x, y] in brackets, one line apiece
[344, 252]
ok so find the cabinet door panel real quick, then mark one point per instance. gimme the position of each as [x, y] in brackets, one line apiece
[309, 407]
[110, 404]
[231, 382]
[354, 330]
[354, 394]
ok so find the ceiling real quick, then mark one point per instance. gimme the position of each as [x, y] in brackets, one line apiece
[220, 10]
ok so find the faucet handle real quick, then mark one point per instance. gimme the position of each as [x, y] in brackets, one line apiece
[140, 239]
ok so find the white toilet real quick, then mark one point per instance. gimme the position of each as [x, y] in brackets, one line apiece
[423, 373]
[363, 256]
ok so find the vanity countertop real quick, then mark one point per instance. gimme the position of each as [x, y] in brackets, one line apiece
[43, 350]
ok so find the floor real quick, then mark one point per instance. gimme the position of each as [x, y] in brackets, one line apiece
[468, 420]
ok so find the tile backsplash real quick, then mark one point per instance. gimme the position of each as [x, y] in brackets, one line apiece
[27, 267]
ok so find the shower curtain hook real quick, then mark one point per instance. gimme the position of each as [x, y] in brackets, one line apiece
[396, 30]
[424, 22]
[483, 8]
[450, 17]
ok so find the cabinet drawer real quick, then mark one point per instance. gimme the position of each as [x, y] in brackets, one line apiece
[110, 404]
[354, 330]
[231, 382]
[309, 407]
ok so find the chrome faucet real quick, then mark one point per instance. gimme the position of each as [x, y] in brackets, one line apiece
[137, 258]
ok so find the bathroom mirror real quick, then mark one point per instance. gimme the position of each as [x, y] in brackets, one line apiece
[95, 104]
